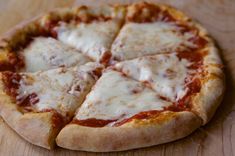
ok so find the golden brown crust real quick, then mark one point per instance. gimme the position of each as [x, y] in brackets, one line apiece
[19, 34]
[168, 126]
[211, 94]
[37, 128]
[205, 103]
[13, 38]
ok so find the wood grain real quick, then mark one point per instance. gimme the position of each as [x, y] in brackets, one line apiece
[216, 138]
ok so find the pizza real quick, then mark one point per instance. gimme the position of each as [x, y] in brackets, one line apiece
[109, 78]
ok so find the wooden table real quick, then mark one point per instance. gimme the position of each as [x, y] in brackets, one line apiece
[216, 138]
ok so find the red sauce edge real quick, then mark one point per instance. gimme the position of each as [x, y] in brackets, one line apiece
[156, 14]
[139, 17]
[29, 100]
[11, 85]
[13, 63]
[92, 122]
[58, 121]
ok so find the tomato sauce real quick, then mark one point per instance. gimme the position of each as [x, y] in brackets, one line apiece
[144, 13]
[92, 122]
[140, 116]
[13, 63]
[58, 121]
[11, 83]
[105, 58]
[29, 100]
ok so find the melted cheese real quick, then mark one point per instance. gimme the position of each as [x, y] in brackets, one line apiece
[120, 98]
[135, 40]
[165, 73]
[62, 89]
[93, 39]
[48, 53]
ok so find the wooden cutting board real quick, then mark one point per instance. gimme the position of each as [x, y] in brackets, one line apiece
[217, 138]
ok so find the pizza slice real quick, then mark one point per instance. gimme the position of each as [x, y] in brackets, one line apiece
[152, 29]
[45, 53]
[92, 31]
[31, 46]
[125, 114]
[37, 105]
[183, 78]
[42, 53]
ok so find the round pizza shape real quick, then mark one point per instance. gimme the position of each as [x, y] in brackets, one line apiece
[109, 78]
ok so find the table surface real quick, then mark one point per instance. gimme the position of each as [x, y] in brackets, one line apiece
[217, 138]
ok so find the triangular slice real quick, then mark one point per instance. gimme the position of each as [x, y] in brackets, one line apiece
[123, 98]
[152, 29]
[93, 30]
[168, 74]
[37, 105]
[128, 113]
[45, 53]
[185, 78]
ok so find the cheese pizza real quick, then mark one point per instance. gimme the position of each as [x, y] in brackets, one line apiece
[109, 78]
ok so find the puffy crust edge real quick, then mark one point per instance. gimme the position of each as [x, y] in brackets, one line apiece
[19, 34]
[213, 84]
[37, 128]
[205, 103]
[168, 126]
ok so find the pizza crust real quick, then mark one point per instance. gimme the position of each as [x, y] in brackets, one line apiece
[36, 128]
[205, 103]
[19, 34]
[168, 126]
